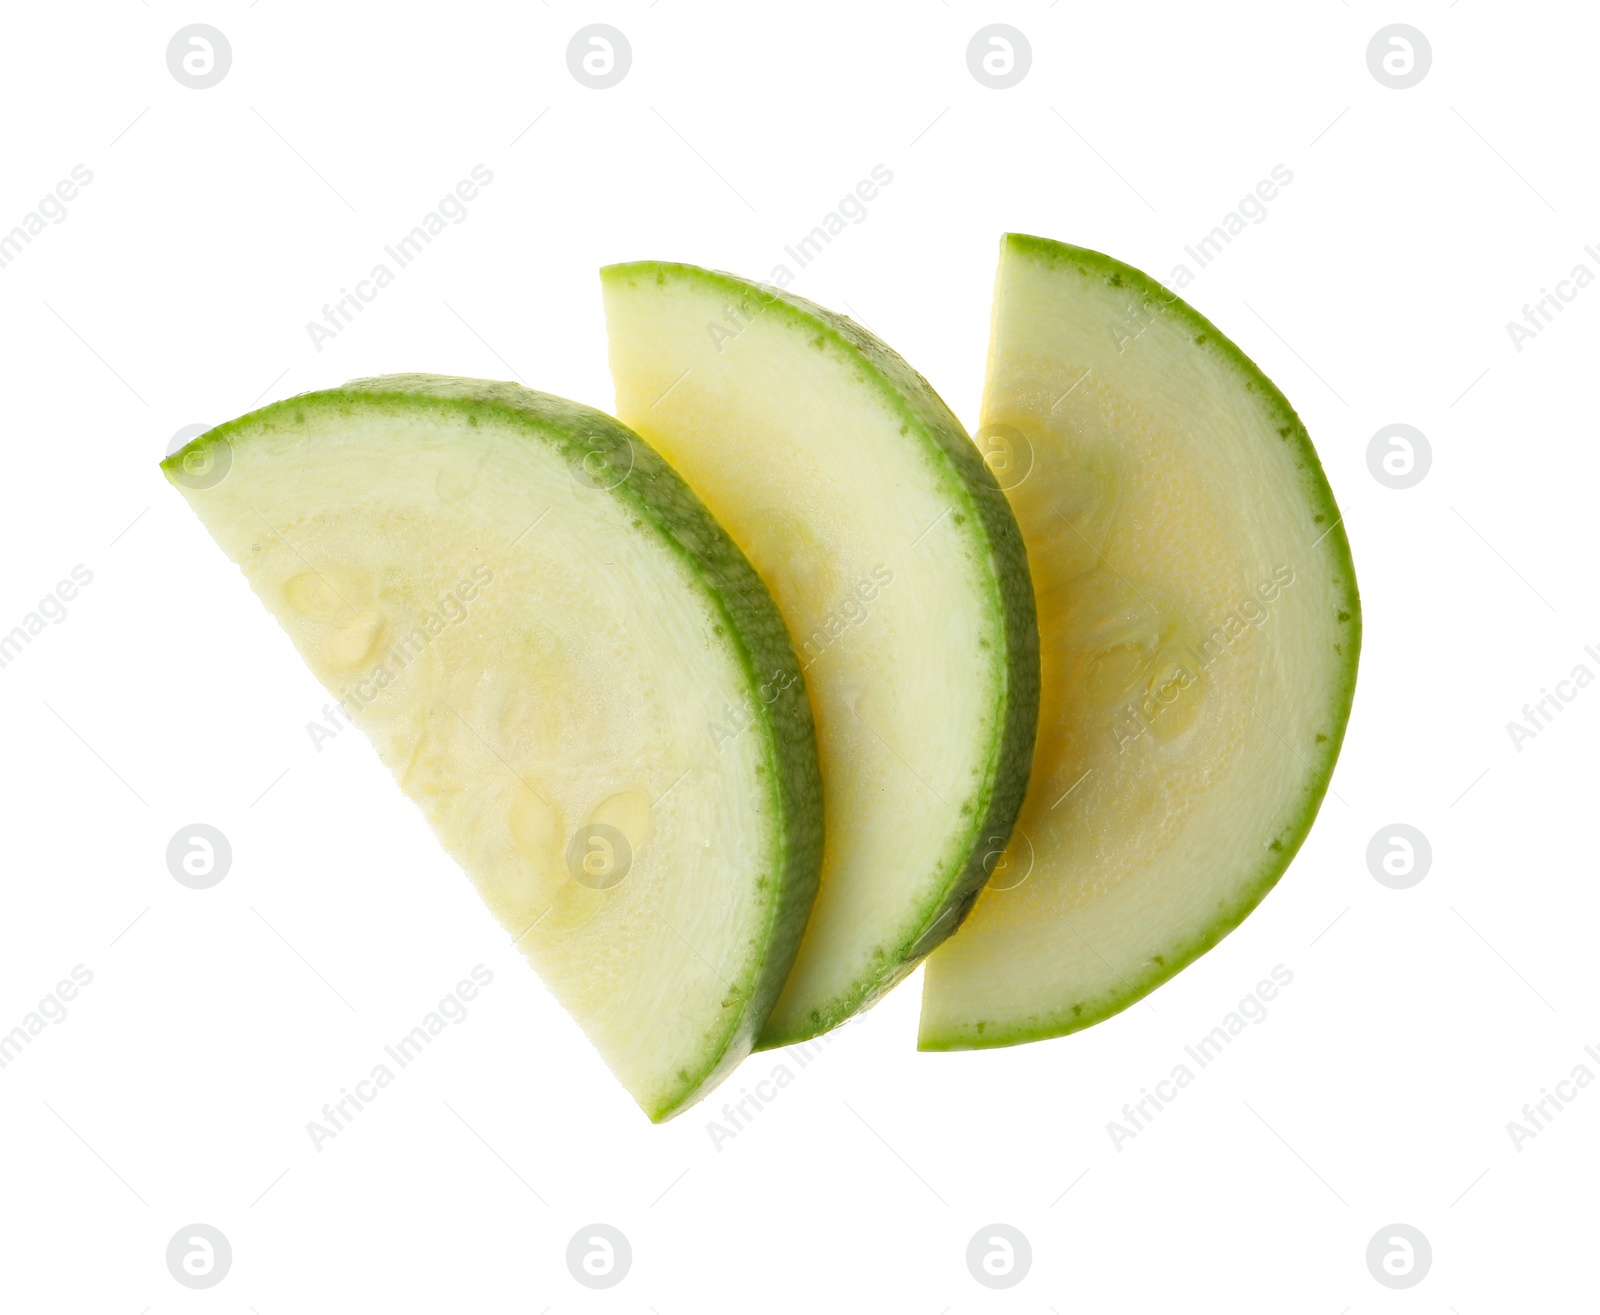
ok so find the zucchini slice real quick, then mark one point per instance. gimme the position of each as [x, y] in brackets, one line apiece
[536, 623]
[1199, 626]
[899, 567]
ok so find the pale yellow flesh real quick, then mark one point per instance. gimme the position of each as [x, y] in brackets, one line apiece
[572, 687]
[809, 466]
[1187, 623]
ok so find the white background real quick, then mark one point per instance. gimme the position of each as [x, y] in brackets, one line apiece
[1377, 291]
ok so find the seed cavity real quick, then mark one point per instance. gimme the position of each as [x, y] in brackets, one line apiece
[314, 595]
[630, 812]
[354, 643]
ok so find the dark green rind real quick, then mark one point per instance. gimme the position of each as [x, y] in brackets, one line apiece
[662, 502]
[1280, 849]
[977, 501]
